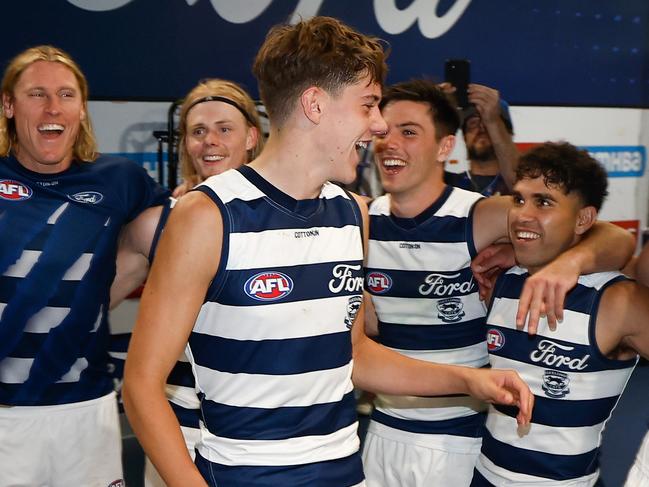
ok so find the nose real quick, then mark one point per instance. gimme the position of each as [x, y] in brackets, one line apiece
[212, 138]
[53, 106]
[377, 124]
[523, 213]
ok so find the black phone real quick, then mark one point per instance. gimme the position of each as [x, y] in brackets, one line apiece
[458, 73]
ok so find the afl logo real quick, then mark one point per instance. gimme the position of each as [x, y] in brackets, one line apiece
[268, 286]
[91, 197]
[495, 340]
[378, 283]
[14, 190]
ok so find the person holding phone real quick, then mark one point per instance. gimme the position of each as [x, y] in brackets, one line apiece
[487, 128]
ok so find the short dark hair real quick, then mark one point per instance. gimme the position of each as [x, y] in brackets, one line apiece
[564, 166]
[320, 51]
[442, 110]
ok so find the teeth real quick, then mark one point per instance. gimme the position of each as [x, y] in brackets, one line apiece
[393, 162]
[50, 127]
[362, 144]
[527, 235]
[213, 158]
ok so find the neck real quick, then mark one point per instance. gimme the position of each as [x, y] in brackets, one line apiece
[288, 163]
[411, 203]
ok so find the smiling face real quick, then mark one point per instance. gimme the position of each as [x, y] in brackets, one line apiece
[544, 221]
[409, 156]
[47, 109]
[218, 138]
[352, 117]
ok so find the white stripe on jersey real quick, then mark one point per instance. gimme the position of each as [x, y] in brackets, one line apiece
[457, 204]
[259, 322]
[448, 257]
[504, 315]
[55, 216]
[291, 451]
[16, 370]
[273, 391]
[423, 311]
[486, 467]
[28, 258]
[294, 252]
[47, 318]
[547, 439]
[583, 385]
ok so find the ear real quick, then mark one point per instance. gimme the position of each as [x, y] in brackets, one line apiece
[7, 105]
[446, 146]
[82, 116]
[251, 138]
[312, 101]
[586, 218]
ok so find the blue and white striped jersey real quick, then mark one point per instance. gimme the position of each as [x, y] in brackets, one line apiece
[427, 304]
[575, 387]
[271, 347]
[57, 262]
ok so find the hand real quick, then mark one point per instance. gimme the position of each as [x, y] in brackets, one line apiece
[544, 293]
[486, 101]
[502, 387]
[447, 88]
[488, 265]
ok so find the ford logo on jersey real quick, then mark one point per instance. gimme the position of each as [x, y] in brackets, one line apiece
[495, 340]
[268, 286]
[91, 197]
[14, 190]
[378, 283]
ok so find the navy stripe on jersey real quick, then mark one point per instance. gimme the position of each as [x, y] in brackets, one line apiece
[580, 299]
[471, 426]
[232, 292]
[479, 481]
[249, 423]
[261, 214]
[186, 417]
[298, 355]
[431, 337]
[407, 284]
[61, 297]
[181, 375]
[566, 413]
[342, 472]
[546, 465]
[442, 230]
[95, 383]
[520, 345]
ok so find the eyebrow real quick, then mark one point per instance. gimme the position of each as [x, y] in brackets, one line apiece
[408, 124]
[373, 98]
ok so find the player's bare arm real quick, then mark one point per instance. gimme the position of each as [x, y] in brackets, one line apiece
[186, 262]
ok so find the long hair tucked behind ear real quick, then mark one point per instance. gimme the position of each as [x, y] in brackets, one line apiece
[85, 147]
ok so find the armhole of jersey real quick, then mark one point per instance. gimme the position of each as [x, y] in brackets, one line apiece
[218, 281]
[473, 252]
[594, 309]
[164, 216]
[359, 217]
[500, 282]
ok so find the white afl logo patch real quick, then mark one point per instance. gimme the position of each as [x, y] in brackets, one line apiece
[268, 286]
[90, 197]
[14, 190]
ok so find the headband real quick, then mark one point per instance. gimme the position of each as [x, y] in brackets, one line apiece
[224, 100]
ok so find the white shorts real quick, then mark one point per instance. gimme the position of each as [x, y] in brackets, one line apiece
[152, 477]
[639, 473]
[76, 444]
[395, 458]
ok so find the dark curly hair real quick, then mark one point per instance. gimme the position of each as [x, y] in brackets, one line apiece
[564, 166]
